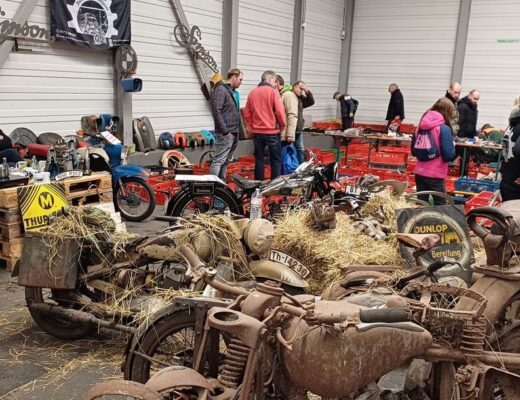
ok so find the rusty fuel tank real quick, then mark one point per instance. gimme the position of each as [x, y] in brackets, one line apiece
[333, 363]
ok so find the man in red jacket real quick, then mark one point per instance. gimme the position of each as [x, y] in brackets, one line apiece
[265, 117]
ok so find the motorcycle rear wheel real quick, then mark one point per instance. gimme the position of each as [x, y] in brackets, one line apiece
[171, 340]
[57, 327]
[187, 204]
[134, 199]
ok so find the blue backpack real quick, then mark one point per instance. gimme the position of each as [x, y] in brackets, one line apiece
[424, 147]
[289, 159]
[166, 141]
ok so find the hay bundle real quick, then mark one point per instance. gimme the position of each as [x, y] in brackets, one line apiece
[386, 203]
[325, 253]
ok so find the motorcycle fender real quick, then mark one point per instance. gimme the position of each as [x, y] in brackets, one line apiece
[278, 272]
[127, 170]
[497, 291]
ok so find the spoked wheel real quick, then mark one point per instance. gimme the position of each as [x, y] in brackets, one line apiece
[55, 326]
[118, 389]
[170, 342]
[135, 199]
[508, 327]
[187, 204]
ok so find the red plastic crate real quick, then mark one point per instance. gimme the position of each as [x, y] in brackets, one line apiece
[395, 149]
[358, 148]
[387, 160]
[482, 199]
[247, 159]
[450, 183]
[326, 157]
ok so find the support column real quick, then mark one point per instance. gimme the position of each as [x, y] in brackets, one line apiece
[123, 108]
[348, 22]
[23, 13]
[460, 41]
[300, 7]
[229, 35]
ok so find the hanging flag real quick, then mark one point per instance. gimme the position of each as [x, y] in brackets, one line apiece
[99, 24]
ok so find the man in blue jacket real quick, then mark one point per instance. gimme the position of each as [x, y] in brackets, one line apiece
[226, 114]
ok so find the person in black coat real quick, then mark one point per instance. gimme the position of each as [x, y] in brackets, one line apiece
[396, 104]
[348, 107]
[468, 114]
[7, 151]
[510, 169]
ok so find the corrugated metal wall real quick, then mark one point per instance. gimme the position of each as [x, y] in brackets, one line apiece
[322, 54]
[48, 88]
[492, 62]
[403, 41]
[171, 95]
[265, 33]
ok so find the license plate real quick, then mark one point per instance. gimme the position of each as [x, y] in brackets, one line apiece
[288, 261]
[354, 190]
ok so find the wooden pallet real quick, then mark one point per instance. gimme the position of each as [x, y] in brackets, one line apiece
[8, 263]
[12, 248]
[11, 231]
[74, 188]
[10, 215]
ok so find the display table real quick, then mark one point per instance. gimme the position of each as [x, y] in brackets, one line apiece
[95, 188]
[489, 146]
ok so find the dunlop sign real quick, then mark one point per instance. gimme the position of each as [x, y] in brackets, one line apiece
[38, 202]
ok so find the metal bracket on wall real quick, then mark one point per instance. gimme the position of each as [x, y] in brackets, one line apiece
[198, 64]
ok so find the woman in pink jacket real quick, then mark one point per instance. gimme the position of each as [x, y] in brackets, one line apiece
[434, 148]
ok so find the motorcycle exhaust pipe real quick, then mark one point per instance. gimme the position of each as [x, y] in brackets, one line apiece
[78, 316]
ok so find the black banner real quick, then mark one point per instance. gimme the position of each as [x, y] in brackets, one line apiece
[99, 24]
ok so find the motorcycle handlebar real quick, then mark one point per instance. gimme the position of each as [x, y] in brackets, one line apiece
[501, 217]
[385, 315]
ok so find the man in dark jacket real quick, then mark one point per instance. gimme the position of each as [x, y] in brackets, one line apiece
[226, 114]
[510, 169]
[468, 114]
[453, 94]
[348, 107]
[396, 104]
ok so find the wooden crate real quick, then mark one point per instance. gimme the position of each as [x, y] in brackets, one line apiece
[11, 231]
[74, 188]
[12, 248]
[10, 215]
[8, 262]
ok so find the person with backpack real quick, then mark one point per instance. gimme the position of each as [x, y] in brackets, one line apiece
[348, 107]
[226, 114]
[434, 148]
[510, 168]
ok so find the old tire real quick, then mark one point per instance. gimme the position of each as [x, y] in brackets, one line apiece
[54, 326]
[129, 205]
[184, 198]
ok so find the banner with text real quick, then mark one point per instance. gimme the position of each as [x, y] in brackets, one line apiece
[100, 24]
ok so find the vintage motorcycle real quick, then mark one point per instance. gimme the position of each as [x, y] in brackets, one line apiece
[71, 294]
[207, 192]
[275, 342]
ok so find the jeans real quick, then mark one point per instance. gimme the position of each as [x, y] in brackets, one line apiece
[274, 145]
[298, 143]
[424, 183]
[225, 146]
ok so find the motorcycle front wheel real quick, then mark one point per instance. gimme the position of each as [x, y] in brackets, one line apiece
[55, 326]
[186, 204]
[170, 341]
[134, 199]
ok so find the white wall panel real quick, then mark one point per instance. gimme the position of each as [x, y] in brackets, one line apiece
[407, 42]
[171, 95]
[49, 87]
[492, 62]
[322, 55]
[265, 33]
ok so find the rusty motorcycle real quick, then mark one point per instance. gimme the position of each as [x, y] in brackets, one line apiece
[276, 341]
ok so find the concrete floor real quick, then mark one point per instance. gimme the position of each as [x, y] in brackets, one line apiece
[34, 365]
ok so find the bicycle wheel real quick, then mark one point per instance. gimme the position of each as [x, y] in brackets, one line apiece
[134, 199]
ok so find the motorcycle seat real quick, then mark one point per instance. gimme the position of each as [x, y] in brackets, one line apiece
[245, 183]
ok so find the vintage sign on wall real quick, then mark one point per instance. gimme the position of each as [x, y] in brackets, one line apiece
[99, 24]
[449, 222]
[190, 40]
[11, 30]
[38, 202]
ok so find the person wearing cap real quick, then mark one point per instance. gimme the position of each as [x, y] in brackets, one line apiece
[226, 115]
[348, 107]
[510, 168]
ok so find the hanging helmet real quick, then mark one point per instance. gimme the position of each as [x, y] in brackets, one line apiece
[259, 236]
